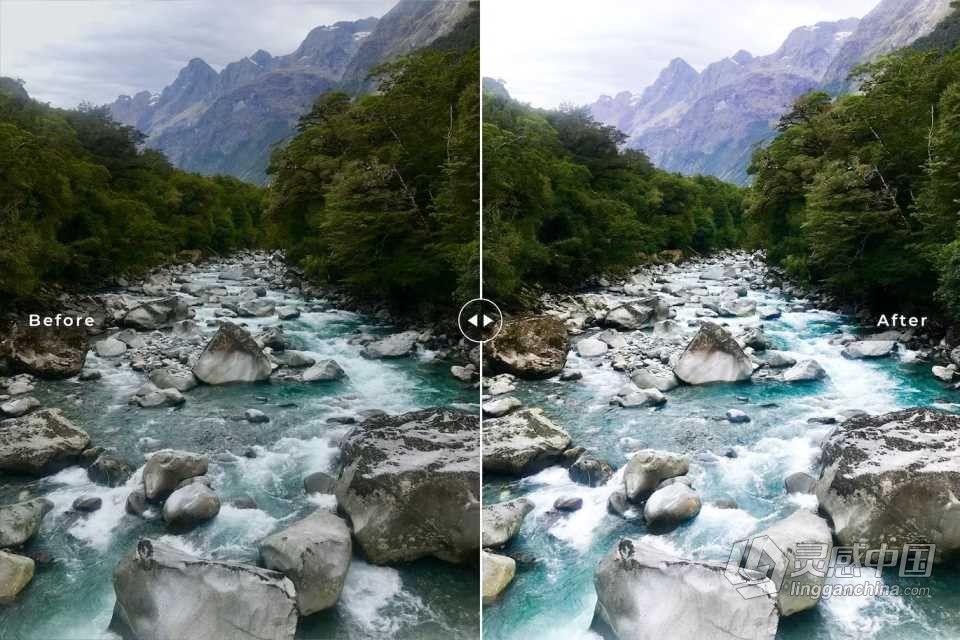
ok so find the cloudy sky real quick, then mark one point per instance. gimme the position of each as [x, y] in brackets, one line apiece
[554, 51]
[69, 51]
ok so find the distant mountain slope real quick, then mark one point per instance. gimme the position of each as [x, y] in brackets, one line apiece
[710, 122]
[229, 122]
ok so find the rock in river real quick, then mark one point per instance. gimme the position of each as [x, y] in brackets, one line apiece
[16, 572]
[522, 443]
[648, 468]
[191, 505]
[315, 554]
[323, 371]
[168, 468]
[47, 352]
[894, 478]
[40, 442]
[498, 572]
[500, 522]
[646, 594]
[799, 528]
[410, 485]
[157, 314]
[533, 347]
[232, 355]
[163, 594]
[395, 346]
[869, 349]
[713, 356]
[19, 522]
[637, 315]
[671, 505]
[804, 371]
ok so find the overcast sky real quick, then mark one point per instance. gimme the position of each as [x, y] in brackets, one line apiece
[69, 51]
[554, 51]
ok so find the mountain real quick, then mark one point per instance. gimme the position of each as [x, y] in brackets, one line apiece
[711, 121]
[229, 122]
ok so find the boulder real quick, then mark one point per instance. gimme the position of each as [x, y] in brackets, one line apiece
[173, 378]
[109, 348]
[136, 503]
[297, 359]
[168, 468]
[255, 416]
[151, 399]
[18, 407]
[191, 505]
[257, 308]
[736, 416]
[395, 346]
[568, 503]
[501, 522]
[522, 443]
[945, 374]
[591, 348]
[315, 554]
[232, 356]
[273, 337]
[779, 359]
[612, 337]
[163, 594]
[87, 504]
[532, 347]
[756, 339]
[40, 442]
[635, 315]
[804, 371]
[464, 374]
[319, 482]
[19, 522]
[46, 352]
[157, 314]
[670, 506]
[107, 469]
[323, 371]
[630, 397]
[868, 349]
[736, 308]
[288, 313]
[498, 572]
[410, 485]
[500, 406]
[799, 482]
[662, 381]
[646, 594]
[799, 528]
[713, 356]
[590, 470]
[647, 468]
[16, 572]
[894, 478]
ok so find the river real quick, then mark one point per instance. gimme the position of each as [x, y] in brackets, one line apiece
[552, 595]
[71, 596]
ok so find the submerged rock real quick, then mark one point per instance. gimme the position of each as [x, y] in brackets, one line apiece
[40, 442]
[894, 479]
[163, 593]
[713, 356]
[646, 594]
[534, 347]
[46, 352]
[19, 522]
[522, 443]
[315, 554]
[410, 485]
[498, 572]
[501, 522]
[232, 355]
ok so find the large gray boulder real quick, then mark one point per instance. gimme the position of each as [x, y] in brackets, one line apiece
[522, 443]
[868, 349]
[799, 528]
[168, 468]
[232, 355]
[533, 347]
[315, 554]
[713, 355]
[410, 485]
[157, 314]
[498, 572]
[501, 522]
[648, 468]
[40, 442]
[670, 506]
[46, 352]
[395, 346]
[16, 572]
[638, 314]
[173, 378]
[804, 371]
[323, 371]
[19, 522]
[894, 479]
[646, 594]
[165, 594]
[190, 505]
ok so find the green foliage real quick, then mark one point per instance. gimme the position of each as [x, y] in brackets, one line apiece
[380, 193]
[563, 201]
[79, 200]
[863, 193]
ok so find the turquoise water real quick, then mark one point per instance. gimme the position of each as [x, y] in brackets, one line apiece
[553, 597]
[72, 597]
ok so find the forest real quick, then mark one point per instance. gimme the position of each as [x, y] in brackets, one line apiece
[861, 192]
[81, 202]
[563, 202]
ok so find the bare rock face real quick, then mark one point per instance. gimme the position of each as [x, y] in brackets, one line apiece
[232, 355]
[713, 355]
[157, 314]
[40, 442]
[534, 347]
[46, 352]
[315, 554]
[894, 479]
[410, 485]
[165, 594]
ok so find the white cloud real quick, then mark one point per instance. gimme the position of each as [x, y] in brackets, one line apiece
[69, 51]
[553, 51]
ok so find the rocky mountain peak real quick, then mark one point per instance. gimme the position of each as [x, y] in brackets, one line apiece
[261, 57]
[742, 56]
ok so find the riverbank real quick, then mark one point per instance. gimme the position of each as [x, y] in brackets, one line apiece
[263, 388]
[567, 496]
